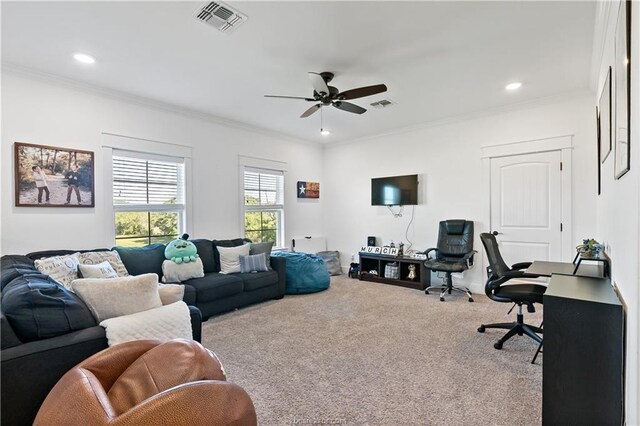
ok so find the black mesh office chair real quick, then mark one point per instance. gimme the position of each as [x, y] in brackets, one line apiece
[453, 254]
[521, 294]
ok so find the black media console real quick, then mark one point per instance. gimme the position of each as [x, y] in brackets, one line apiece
[377, 262]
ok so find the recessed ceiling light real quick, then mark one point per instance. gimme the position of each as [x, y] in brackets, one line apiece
[324, 132]
[85, 59]
[513, 86]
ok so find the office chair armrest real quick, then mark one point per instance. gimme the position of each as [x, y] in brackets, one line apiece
[518, 274]
[521, 265]
[469, 255]
[429, 250]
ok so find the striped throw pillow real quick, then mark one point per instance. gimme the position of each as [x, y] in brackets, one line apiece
[253, 263]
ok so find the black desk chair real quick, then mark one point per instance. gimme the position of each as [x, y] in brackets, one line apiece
[521, 294]
[453, 254]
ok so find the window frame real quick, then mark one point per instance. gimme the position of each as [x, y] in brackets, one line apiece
[278, 208]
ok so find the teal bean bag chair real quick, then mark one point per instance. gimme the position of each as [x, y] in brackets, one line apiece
[306, 273]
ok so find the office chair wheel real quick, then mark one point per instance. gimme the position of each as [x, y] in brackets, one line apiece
[481, 329]
[471, 299]
[441, 299]
[426, 292]
[497, 345]
[449, 291]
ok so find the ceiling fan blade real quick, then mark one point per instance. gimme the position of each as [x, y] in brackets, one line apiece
[361, 92]
[289, 97]
[319, 85]
[311, 111]
[349, 107]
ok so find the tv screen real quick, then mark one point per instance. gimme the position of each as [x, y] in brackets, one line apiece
[394, 191]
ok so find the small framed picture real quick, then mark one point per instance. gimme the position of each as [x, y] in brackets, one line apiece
[50, 176]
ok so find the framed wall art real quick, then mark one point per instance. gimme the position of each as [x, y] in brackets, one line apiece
[50, 176]
[604, 108]
[308, 189]
[622, 141]
[599, 147]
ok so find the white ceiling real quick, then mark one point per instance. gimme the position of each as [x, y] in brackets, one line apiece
[438, 59]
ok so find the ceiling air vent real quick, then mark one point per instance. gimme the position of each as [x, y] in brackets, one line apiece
[220, 16]
[384, 103]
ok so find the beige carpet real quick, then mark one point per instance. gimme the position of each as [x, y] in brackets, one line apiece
[372, 354]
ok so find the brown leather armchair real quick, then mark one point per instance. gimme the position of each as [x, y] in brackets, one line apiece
[147, 382]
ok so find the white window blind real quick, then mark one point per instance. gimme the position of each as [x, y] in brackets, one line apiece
[139, 182]
[148, 197]
[263, 187]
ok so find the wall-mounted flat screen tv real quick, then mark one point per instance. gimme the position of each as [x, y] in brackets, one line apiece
[394, 191]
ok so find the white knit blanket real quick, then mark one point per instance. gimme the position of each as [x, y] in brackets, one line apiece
[162, 323]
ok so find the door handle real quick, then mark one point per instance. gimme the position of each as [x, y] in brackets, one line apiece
[496, 233]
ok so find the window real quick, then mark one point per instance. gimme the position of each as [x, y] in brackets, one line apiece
[148, 198]
[264, 205]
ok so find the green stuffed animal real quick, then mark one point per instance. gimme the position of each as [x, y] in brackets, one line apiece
[181, 250]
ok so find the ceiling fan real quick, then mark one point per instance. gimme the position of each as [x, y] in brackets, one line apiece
[328, 95]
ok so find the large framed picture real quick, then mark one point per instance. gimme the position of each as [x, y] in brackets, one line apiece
[622, 139]
[50, 176]
[604, 107]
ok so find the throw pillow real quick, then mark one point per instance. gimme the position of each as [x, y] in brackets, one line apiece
[205, 251]
[114, 297]
[162, 323]
[230, 258]
[63, 269]
[142, 260]
[95, 257]
[170, 293]
[101, 270]
[253, 263]
[173, 272]
[257, 248]
[332, 261]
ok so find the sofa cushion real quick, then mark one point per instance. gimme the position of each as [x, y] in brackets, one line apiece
[224, 243]
[255, 280]
[253, 263]
[13, 266]
[257, 248]
[205, 251]
[230, 258]
[114, 297]
[37, 307]
[96, 257]
[170, 293]
[142, 260]
[100, 270]
[177, 272]
[216, 286]
[63, 269]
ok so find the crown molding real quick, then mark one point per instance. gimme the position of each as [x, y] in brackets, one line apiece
[459, 118]
[601, 24]
[27, 72]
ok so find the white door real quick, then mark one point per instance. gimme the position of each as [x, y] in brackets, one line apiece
[526, 206]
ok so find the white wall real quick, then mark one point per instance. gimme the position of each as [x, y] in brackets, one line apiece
[618, 211]
[448, 158]
[48, 113]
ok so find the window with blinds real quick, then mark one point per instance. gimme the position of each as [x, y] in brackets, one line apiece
[264, 205]
[148, 198]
